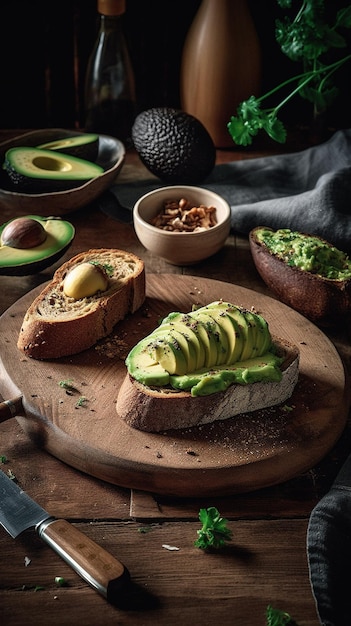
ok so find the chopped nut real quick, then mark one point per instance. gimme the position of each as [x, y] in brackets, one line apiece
[181, 216]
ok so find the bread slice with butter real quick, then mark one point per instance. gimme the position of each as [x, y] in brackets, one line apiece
[240, 368]
[86, 297]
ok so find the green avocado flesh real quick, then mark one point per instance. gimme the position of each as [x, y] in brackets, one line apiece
[85, 146]
[36, 170]
[306, 252]
[206, 350]
[59, 235]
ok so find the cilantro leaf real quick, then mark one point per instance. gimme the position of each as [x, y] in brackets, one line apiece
[276, 617]
[214, 532]
[343, 17]
[305, 38]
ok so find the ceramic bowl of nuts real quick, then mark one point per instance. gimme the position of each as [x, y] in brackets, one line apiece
[182, 224]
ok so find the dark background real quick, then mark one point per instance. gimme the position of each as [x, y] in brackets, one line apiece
[44, 48]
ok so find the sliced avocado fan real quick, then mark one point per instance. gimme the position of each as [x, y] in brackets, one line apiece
[206, 350]
[38, 171]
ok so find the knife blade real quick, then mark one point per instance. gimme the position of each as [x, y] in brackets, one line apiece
[18, 512]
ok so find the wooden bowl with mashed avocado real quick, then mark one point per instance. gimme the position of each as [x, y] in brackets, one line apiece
[305, 272]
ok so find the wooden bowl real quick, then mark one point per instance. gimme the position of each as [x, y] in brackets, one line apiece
[110, 156]
[181, 248]
[324, 301]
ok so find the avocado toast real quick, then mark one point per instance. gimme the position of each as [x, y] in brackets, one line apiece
[210, 364]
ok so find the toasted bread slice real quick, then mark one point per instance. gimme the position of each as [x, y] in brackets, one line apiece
[154, 409]
[56, 325]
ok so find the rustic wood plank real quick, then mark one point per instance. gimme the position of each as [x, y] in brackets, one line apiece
[295, 497]
[239, 581]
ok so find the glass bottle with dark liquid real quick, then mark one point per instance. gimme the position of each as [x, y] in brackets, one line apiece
[110, 103]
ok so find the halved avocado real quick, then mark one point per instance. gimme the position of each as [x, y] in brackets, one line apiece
[25, 261]
[323, 299]
[85, 146]
[39, 171]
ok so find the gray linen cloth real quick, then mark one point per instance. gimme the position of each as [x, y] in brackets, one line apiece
[329, 551]
[308, 191]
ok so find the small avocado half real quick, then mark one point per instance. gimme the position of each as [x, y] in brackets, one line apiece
[34, 170]
[26, 261]
[84, 146]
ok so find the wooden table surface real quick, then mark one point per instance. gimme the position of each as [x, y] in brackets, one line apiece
[264, 564]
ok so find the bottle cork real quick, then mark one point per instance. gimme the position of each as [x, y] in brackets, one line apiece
[111, 7]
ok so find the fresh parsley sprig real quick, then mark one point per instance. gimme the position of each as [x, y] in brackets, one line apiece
[305, 38]
[276, 617]
[214, 532]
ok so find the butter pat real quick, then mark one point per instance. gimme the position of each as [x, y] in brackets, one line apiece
[85, 280]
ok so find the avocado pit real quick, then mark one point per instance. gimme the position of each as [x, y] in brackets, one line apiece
[23, 233]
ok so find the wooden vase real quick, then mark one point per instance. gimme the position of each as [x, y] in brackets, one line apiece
[221, 65]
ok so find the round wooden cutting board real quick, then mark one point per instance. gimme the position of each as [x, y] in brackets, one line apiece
[68, 405]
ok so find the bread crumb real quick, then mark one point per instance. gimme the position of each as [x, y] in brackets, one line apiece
[113, 347]
[191, 452]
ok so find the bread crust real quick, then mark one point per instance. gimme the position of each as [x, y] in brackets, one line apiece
[153, 410]
[55, 325]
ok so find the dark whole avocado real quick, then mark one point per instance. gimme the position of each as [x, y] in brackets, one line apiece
[17, 260]
[173, 145]
[33, 170]
[84, 146]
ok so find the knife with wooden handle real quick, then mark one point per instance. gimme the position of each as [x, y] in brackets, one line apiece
[95, 565]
